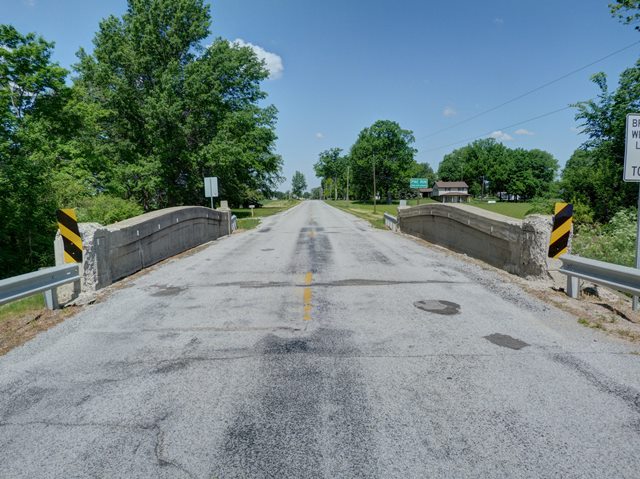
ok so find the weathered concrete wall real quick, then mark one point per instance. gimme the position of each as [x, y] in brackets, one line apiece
[113, 252]
[518, 247]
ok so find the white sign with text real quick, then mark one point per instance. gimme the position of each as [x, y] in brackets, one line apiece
[632, 148]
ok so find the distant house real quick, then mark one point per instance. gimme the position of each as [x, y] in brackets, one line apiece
[425, 192]
[450, 192]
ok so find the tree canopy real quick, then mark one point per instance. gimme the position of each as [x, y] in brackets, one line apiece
[149, 113]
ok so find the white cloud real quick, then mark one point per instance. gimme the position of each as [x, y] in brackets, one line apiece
[272, 60]
[319, 135]
[501, 136]
[523, 131]
[449, 112]
[498, 21]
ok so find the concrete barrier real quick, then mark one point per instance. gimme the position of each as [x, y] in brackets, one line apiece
[517, 246]
[121, 249]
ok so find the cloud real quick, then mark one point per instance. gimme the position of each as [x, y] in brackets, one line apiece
[523, 131]
[498, 21]
[501, 136]
[449, 112]
[272, 61]
[319, 135]
[575, 129]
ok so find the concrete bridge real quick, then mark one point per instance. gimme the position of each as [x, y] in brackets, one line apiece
[317, 346]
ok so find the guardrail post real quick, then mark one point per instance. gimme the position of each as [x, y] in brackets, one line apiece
[51, 298]
[573, 286]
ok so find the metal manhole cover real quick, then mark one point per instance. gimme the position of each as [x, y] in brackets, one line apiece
[438, 306]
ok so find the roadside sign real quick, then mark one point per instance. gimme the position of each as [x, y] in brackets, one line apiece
[632, 174]
[632, 148]
[211, 187]
[416, 183]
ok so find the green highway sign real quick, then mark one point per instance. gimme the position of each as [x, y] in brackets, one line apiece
[418, 183]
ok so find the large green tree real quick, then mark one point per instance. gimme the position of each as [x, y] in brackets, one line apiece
[332, 168]
[603, 121]
[298, 184]
[387, 149]
[175, 111]
[30, 85]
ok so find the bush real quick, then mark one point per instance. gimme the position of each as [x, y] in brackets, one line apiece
[614, 242]
[105, 209]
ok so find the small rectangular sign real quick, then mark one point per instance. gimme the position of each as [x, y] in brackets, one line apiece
[416, 183]
[211, 187]
[632, 148]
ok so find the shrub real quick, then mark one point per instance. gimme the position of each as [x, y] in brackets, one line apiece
[613, 242]
[106, 209]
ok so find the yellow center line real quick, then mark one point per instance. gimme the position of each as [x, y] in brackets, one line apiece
[307, 296]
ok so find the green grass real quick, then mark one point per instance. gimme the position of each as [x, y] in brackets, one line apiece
[507, 208]
[364, 209]
[21, 306]
[270, 207]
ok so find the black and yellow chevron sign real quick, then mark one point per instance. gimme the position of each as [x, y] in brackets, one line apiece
[562, 221]
[68, 224]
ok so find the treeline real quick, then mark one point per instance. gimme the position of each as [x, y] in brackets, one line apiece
[145, 117]
[387, 149]
[384, 152]
[509, 173]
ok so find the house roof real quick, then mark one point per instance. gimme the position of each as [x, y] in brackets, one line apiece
[451, 184]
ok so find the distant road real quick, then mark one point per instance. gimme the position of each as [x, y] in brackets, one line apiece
[318, 347]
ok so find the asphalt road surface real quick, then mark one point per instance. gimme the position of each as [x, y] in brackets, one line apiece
[316, 346]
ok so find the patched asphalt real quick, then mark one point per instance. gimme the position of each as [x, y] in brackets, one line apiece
[317, 346]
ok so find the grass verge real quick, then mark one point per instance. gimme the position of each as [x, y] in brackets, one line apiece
[247, 221]
[22, 306]
[514, 210]
[364, 209]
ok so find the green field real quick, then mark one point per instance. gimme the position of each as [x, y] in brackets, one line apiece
[270, 207]
[364, 209]
[515, 210]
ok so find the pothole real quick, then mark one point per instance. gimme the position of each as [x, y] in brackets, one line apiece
[438, 306]
[506, 341]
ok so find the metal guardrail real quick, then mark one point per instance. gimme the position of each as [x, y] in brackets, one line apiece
[621, 278]
[390, 222]
[45, 280]
[234, 223]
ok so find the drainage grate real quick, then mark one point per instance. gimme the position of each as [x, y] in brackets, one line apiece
[438, 306]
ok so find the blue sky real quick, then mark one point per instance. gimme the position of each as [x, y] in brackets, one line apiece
[338, 66]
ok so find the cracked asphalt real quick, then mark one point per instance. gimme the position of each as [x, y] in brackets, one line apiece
[318, 347]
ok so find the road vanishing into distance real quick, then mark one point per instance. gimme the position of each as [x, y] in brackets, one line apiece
[319, 347]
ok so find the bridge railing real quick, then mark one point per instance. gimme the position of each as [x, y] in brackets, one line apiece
[391, 222]
[45, 280]
[620, 278]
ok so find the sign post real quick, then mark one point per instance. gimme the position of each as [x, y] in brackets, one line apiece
[632, 174]
[211, 188]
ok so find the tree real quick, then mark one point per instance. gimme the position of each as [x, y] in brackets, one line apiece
[30, 84]
[298, 184]
[176, 111]
[603, 120]
[626, 11]
[331, 166]
[385, 147]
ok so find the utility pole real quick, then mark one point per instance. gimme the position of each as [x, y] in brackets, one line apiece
[374, 184]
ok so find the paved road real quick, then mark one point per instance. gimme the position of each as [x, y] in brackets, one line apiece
[301, 350]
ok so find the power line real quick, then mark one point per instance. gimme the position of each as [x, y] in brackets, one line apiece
[528, 92]
[467, 140]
